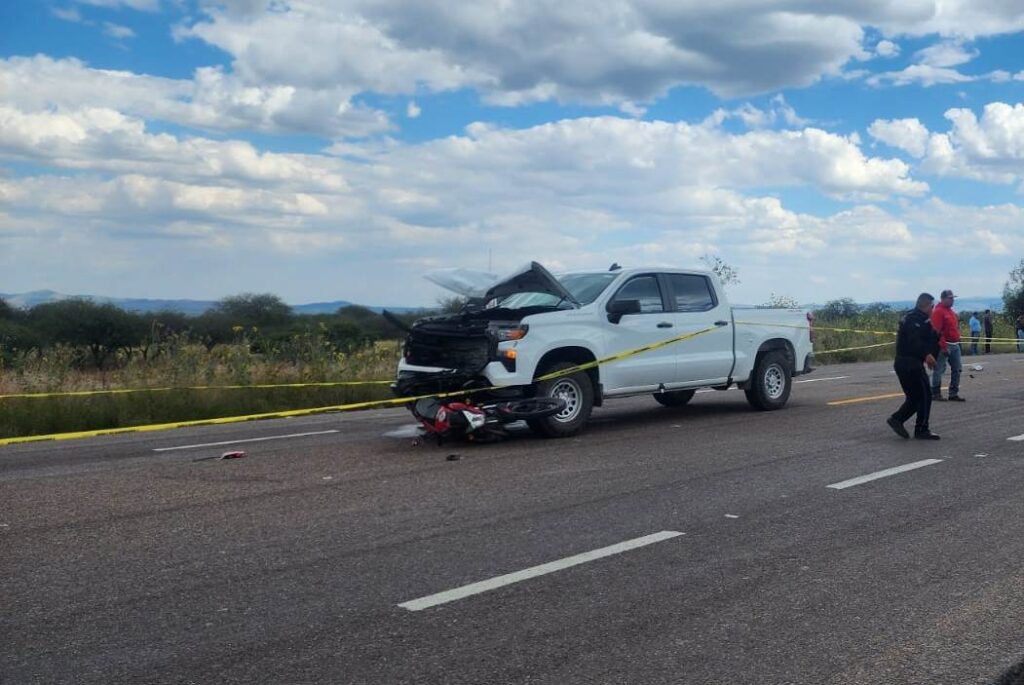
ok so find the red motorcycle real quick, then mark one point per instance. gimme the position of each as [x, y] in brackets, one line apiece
[443, 419]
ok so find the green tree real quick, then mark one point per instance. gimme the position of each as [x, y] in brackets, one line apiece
[1013, 292]
[102, 329]
[262, 310]
[843, 308]
[7, 312]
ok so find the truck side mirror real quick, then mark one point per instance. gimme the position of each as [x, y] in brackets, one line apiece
[619, 308]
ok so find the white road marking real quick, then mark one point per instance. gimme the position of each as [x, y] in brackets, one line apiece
[534, 571]
[818, 380]
[235, 442]
[883, 474]
[1017, 438]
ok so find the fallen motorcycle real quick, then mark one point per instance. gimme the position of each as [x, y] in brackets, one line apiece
[443, 419]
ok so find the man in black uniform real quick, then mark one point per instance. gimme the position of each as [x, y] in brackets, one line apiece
[917, 345]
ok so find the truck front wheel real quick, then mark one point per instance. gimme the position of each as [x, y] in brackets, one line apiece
[771, 382]
[578, 393]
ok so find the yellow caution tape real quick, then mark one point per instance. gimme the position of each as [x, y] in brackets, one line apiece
[851, 349]
[814, 328]
[372, 404]
[126, 391]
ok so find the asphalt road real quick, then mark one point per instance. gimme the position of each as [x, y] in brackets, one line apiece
[123, 564]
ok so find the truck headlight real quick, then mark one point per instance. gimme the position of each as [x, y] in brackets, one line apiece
[511, 333]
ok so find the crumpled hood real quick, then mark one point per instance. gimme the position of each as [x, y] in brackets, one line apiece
[531, 278]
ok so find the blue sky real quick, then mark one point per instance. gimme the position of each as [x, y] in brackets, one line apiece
[339, 149]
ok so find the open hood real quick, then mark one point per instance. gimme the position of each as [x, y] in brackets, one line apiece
[531, 278]
[465, 282]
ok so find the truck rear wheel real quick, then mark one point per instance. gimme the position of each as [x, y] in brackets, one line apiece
[771, 382]
[578, 393]
[674, 398]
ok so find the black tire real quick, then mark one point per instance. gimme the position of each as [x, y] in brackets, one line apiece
[578, 392]
[674, 398]
[771, 382]
[531, 408]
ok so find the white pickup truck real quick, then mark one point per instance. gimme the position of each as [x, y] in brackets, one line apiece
[533, 323]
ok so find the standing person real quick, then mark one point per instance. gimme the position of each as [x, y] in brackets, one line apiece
[917, 344]
[989, 326]
[1020, 333]
[975, 324]
[947, 325]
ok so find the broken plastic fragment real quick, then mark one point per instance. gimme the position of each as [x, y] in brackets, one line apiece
[237, 454]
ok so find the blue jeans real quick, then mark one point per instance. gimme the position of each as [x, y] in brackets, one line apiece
[952, 357]
[1020, 339]
[975, 337]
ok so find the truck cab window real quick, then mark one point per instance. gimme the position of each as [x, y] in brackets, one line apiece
[646, 290]
[691, 293]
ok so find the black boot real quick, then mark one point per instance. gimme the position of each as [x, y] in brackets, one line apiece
[897, 427]
[925, 434]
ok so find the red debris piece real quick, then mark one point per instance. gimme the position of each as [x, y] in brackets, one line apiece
[233, 455]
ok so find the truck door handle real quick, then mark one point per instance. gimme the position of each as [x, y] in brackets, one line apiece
[664, 324]
[721, 323]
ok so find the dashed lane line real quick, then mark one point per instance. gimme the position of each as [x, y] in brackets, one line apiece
[859, 480]
[535, 571]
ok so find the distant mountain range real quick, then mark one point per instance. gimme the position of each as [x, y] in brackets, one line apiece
[191, 307]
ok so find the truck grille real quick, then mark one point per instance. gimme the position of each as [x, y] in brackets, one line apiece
[450, 345]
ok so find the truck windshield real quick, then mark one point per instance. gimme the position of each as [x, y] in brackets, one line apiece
[584, 287]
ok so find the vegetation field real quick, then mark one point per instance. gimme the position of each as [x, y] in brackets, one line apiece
[178, 366]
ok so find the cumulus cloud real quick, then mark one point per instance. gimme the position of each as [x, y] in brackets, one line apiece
[887, 49]
[103, 139]
[989, 148]
[212, 99]
[614, 52]
[553, 191]
[909, 135]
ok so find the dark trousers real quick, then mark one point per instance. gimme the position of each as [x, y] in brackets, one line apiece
[988, 341]
[914, 381]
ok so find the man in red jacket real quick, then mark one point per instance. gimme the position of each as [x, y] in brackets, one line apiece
[947, 324]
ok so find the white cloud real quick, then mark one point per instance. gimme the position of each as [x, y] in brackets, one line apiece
[143, 5]
[67, 14]
[887, 49]
[103, 139]
[950, 53]
[905, 134]
[412, 110]
[610, 53]
[212, 99]
[923, 74]
[989, 148]
[117, 31]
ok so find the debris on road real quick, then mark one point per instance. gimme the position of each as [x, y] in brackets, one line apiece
[452, 457]
[236, 454]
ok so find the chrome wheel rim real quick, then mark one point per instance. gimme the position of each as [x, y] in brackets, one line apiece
[774, 382]
[569, 391]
